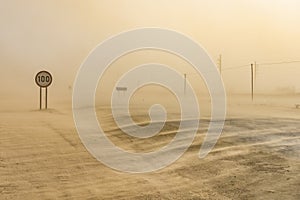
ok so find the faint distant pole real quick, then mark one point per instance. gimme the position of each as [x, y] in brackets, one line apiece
[252, 81]
[220, 64]
[184, 84]
[138, 83]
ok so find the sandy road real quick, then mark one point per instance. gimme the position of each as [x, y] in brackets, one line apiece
[42, 157]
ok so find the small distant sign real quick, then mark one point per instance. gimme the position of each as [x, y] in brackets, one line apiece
[43, 79]
[121, 88]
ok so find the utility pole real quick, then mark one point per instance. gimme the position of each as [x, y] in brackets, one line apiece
[252, 81]
[184, 84]
[220, 64]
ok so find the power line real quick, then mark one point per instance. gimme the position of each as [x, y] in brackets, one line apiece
[261, 64]
[256, 64]
[278, 63]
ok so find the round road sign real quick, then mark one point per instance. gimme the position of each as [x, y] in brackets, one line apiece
[43, 79]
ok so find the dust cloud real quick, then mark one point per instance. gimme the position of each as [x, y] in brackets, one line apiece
[257, 155]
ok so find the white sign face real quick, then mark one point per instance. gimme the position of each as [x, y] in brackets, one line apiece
[43, 79]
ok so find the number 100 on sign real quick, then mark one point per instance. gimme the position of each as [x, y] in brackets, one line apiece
[43, 79]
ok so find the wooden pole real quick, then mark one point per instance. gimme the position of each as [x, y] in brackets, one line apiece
[220, 64]
[252, 82]
[184, 87]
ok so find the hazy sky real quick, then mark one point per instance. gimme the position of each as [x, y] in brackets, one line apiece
[58, 34]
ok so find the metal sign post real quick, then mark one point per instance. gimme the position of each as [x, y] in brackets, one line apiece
[43, 79]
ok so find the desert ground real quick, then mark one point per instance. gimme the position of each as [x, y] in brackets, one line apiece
[256, 157]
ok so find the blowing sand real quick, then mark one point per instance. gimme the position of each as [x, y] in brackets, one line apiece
[257, 157]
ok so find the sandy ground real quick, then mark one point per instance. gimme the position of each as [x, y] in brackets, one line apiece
[257, 157]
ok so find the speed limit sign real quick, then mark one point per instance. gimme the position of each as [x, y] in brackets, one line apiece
[43, 79]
